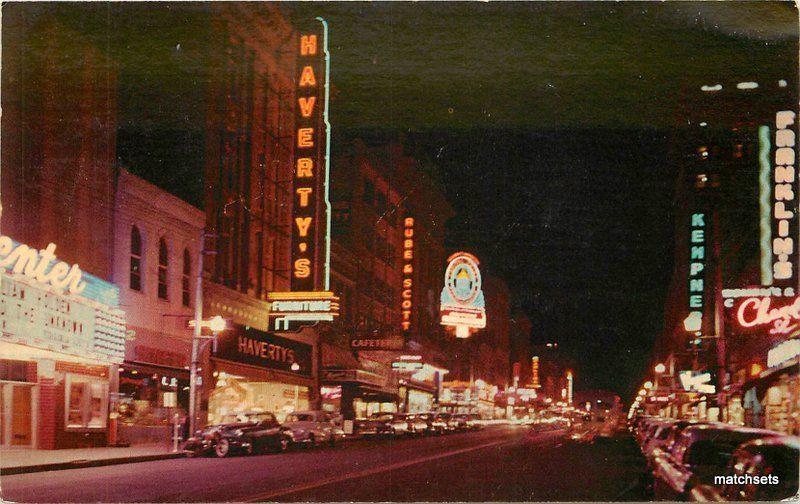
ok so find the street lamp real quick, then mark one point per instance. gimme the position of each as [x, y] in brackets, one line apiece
[660, 368]
[648, 385]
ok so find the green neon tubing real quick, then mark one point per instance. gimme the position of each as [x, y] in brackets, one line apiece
[325, 117]
[764, 200]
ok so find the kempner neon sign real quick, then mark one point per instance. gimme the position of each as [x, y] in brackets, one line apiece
[408, 273]
[754, 312]
[36, 265]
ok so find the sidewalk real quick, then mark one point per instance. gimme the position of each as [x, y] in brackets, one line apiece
[17, 461]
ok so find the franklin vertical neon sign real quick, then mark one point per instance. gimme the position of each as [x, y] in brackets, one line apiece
[784, 251]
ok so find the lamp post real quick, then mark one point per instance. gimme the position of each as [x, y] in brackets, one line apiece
[216, 325]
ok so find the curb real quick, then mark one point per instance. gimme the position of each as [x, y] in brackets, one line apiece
[80, 464]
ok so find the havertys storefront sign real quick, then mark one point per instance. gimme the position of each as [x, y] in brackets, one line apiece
[266, 350]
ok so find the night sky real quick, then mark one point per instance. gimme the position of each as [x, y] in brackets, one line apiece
[550, 127]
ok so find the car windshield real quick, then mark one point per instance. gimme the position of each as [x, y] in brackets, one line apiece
[245, 418]
[300, 417]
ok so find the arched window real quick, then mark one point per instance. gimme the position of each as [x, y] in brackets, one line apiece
[136, 260]
[186, 278]
[163, 262]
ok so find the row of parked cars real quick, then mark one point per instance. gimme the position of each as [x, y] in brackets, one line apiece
[248, 433]
[416, 424]
[710, 461]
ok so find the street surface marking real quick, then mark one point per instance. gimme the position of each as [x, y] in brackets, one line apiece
[269, 496]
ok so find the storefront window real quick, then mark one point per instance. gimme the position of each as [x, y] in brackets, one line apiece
[234, 394]
[87, 402]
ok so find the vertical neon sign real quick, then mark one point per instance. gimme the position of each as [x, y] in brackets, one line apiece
[407, 292]
[311, 206]
[784, 199]
[697, 266]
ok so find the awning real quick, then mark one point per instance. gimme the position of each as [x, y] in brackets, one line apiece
[337, 357]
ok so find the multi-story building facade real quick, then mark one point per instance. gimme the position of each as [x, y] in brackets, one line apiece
[62, 329]
[226, 128]
[156, 254]
[736, 235]
[521, 350]
[388, 250]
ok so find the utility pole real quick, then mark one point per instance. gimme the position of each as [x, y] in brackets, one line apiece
[198, 327]
[215, 326]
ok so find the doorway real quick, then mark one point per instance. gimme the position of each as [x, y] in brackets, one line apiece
[16, 415]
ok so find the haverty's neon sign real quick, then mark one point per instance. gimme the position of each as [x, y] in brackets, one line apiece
[754, 312]
[40, 266]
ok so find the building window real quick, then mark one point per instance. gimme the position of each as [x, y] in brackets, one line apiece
[369, 193]
[136, 260]
[163, 261]
[185, 279]
[86, 402]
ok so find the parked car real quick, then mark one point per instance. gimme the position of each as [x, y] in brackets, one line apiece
[658, 438]
[474, 422]
[382, 424]
[776, 457]
[313, 427]
[450, 423]
[416, 425]
[700, 453]
[434, 424]
[462, 421]
[244, 433]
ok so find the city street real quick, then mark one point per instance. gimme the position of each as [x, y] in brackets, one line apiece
[499, 463]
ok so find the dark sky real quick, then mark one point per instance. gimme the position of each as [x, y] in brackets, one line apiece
[550, 124]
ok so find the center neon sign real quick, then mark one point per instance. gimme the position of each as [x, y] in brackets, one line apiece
[36, 265]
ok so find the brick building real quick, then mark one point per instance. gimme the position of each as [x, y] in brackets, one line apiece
[61, 340]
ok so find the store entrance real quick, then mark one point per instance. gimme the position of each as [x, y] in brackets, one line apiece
[16, 415]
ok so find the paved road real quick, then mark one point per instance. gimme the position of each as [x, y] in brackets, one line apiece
[500, 463]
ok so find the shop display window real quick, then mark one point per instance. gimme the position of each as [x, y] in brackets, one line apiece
[86, 402]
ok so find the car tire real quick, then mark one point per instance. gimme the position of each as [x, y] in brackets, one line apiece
[312, 441]
[283, 444]
[223, 448]
[332, 440]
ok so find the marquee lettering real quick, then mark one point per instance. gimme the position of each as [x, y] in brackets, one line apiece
[33, 264]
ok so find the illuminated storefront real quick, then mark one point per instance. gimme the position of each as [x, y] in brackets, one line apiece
[418, 383]
[256, 371]
[461, 397]
[62, 335]
[356, 387]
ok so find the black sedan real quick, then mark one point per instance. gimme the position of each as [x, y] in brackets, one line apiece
[244, 433]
